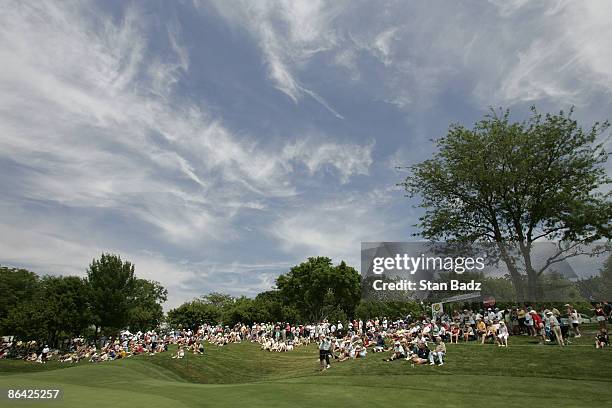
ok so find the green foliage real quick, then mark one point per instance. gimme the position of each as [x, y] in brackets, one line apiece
[146, 311]
[16, 286]
[319, 289]
[194, 313]
[310, 291]
[57, 308]
[65, 301]
[52, 308]
[368, 309]
[111, 284]
[516, 183]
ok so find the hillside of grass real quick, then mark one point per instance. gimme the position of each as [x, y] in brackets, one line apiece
[239, 374]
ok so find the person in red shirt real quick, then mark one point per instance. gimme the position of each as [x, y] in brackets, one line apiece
[538, 324]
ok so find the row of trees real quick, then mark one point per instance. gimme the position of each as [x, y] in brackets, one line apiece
[310, 291]
[51, 308]
[110, 298]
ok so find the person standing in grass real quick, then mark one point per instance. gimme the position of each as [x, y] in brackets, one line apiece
[45, 354]
[555, 327]
[521, 315]
[538, 325]
[574, 319]
[324, 352]
[600, 315]
[529, 323]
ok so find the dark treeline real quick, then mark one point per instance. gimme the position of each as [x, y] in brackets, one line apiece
[52, 308]
[110, 298]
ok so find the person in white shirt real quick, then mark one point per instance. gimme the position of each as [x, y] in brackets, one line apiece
[398, 352]
[44, 354]
[502, 335]
[574, 318]
[325, 350]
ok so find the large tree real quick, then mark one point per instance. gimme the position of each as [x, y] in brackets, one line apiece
[112, 286]
[514, 184]
[194, 313]
[16, 286]
[65, 306]
[319, 289]
[57, 308]
[146, 311]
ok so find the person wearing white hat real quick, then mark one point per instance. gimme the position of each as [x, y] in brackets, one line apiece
[398, 351]
[555, 327]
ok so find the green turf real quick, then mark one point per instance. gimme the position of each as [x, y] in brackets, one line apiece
[241, 375]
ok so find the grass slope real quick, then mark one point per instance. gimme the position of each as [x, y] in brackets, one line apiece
[243, 375]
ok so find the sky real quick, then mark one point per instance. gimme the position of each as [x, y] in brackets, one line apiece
[215, 144]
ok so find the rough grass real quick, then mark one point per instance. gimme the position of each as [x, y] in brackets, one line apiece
[242, 375]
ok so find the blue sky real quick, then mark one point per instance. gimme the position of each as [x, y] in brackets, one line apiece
[217, 143]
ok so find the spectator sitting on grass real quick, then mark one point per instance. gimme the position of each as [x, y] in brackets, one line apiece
[601, 340]
[360, 351]
[422, 354]
[438, 352]
[481, 328]
[180, 353]
[380, 344]
[490, 333]
[454, 333]
[468, 333]
[502, 335]
[398, 352]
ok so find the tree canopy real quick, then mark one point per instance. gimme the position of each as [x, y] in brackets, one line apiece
[51, 308]
[516, 183]
[319, 289]
[112, 286]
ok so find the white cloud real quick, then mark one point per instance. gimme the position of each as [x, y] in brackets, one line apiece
[566, 60]
[347, 159]
[335, 227]
[288, 33]
[50, 252]
[77, 104]
[90, 115]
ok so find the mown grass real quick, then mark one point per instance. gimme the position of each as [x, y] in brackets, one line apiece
[242, 375]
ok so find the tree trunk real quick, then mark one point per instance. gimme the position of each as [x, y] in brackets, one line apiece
[532, 277]
[515, 275]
